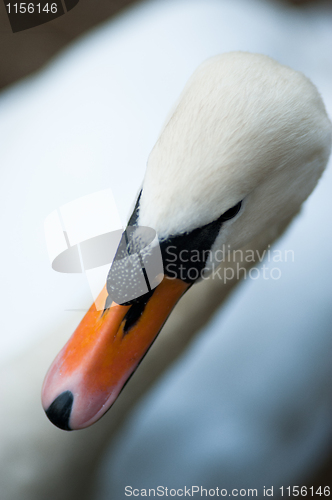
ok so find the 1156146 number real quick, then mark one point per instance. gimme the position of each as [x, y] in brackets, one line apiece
[304, 491]
[30, 8]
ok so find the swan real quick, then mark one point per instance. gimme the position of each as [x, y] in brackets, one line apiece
[243, 148]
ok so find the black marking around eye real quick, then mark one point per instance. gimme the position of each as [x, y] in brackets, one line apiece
[232, 212]
[201, 240]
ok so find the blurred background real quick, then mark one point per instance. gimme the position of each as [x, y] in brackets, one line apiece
[28, 51]
[249, 404]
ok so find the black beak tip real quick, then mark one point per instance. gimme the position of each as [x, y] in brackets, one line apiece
[59, 411]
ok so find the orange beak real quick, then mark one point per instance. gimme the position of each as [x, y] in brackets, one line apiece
[90, 371]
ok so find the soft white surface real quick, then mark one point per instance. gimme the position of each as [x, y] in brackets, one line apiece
[250, 402]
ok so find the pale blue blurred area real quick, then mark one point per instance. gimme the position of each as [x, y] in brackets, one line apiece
[249, 404]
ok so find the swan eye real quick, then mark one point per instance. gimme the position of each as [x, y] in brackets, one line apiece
[232, 212]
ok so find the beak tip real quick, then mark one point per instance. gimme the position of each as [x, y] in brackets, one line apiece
[59, 411]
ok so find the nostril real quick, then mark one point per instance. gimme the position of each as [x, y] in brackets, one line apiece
[59, 411]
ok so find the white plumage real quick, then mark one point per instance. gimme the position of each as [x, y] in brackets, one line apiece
[245, 128]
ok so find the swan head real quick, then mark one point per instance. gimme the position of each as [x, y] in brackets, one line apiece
[245, 129]
[243, 148]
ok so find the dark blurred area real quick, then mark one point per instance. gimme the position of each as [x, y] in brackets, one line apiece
[24, 52]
